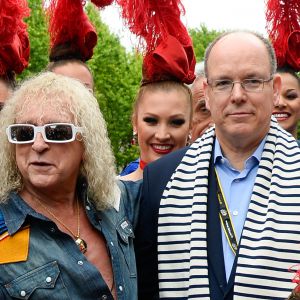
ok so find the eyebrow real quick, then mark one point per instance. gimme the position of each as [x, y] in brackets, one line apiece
[201, 102]
[245, 76]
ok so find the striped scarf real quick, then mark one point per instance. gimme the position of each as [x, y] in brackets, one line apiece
[270, 241]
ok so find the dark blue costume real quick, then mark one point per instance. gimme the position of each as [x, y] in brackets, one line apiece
[131, 167]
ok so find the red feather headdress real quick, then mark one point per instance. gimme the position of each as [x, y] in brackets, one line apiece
[102, 3]
[14, 41]
[283, 25]
[169, 53]
[70, 29]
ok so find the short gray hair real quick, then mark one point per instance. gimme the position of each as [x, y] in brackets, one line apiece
[266, 42]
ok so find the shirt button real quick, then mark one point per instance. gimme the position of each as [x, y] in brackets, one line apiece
[103, 297]
[80, 262]
[112, 243]
[120, 288]
[235, 212]
[48, 279]
[88, 208]
[23, 293]
[52, 229]
[222, 160]
[237, 180]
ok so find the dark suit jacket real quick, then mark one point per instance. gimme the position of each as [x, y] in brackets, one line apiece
[156, 177]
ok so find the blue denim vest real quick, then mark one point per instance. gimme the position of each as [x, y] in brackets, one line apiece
[55, 268]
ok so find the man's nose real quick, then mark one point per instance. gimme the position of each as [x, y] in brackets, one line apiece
[238, 92]
[39, 144]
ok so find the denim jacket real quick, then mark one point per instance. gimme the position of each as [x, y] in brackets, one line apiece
[54, 267]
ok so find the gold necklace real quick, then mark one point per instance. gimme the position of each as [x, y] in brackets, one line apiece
[82, 245]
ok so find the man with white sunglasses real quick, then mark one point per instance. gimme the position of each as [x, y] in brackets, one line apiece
[66, 234]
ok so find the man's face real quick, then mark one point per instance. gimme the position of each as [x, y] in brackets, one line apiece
[201, 115]
[43, 165]
[242, 118]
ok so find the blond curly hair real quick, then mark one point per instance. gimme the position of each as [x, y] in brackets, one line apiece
[49, 89]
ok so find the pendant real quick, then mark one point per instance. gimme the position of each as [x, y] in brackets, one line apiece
[82, 245]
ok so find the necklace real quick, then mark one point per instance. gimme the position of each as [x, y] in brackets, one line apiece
[82, 245]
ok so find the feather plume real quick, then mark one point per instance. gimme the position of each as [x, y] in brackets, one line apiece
[69, 27]
[283, 26]
[14, 41]
[102, 3]
[158, 23]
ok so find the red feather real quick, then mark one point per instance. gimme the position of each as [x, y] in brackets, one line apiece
[102, 3]
[14, 41]
[153, 21]
[68, 24]
[283, 24]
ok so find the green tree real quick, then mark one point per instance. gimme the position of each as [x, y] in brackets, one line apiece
[39, 40]
[202, 37]
[117, 75]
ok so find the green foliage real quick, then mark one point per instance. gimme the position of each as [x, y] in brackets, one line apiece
[201, 39]
[39, 40]
[117, 75]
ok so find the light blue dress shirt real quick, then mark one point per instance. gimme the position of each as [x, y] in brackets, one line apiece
[237, 188]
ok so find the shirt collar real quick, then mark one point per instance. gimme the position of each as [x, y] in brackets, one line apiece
[218, 155]
[15, 211]
[117, 197]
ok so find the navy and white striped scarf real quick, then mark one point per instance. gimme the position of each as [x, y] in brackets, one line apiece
[270, 242]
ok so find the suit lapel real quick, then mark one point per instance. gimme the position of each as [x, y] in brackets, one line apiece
[214, 237]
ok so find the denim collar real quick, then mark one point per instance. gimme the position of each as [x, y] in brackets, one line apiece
[15, 212]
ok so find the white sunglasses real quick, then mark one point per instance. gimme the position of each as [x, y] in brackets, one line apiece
[52, 133]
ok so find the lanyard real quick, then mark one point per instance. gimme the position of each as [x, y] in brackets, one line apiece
[225, 217]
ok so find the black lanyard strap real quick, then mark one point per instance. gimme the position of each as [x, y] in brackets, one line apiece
[225, 217]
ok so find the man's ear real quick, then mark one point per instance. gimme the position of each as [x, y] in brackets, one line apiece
[205, 89]
[276, 88]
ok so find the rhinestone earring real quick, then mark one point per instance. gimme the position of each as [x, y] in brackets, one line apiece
[188, 142]
[134, 140]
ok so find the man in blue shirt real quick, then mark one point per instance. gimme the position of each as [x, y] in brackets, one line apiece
[220, 219]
